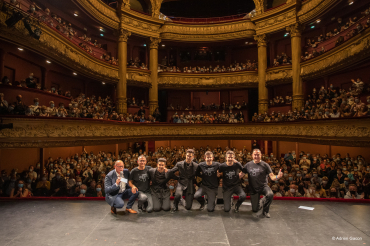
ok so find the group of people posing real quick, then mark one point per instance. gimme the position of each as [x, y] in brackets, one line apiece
[149, 185]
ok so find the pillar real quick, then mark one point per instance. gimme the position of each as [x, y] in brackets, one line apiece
[153, 66]
[266, 148]
[2, 58]
[122, 70]
[262, 66]
[295, 34]
[275, 149]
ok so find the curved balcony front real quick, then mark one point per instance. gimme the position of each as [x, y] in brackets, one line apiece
[57, 132]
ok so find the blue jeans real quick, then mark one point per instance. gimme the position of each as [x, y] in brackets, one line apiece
[127, 194]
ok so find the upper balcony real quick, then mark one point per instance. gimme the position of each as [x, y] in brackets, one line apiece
[198, 31]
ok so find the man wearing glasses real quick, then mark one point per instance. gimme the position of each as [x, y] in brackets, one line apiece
[117, 189]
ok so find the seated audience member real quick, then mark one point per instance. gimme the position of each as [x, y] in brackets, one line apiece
[58, 185]
[353, 194]
[43, 187]
[20, 190]
[3, 105]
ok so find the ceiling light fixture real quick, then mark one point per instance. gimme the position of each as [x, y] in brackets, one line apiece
[47, 61]
[318, 21]
[75, 14]
[350, 3]
[103, 83]
[246, 42]
[286, 34]
[163, 45]
[74, 73]
[101, 29]
[144, 45]
[312, 27]
[21, 49]
[101, 34]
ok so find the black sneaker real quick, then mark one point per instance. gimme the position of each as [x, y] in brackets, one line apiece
[202, 205]
[236, 210]
[143, 208]
[174, 209]
[267, 215]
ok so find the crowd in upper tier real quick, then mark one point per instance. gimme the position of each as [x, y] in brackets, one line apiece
[338, 32]
[305, 174]
[325, 104]
[234, 67]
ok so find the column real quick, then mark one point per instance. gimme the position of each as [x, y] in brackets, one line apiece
[2, 58]
[275, 149]
[262, 66]
[295, 34]
[266, 147]
[122, 70]
[153, 66]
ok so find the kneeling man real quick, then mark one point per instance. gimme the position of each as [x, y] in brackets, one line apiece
[117, 189]
[160, 191]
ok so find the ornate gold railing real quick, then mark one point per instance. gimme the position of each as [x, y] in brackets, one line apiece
[240, 79]
[43, 132]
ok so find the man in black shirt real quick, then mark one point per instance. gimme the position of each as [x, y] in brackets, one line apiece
[160, 192]
[186, 182]
[231, 182]
[139, 181]
[208, 171]
[258, 172]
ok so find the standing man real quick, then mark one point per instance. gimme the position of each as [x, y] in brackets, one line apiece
[139, 182]
[208, 171]
[186, 182]
[258, 172]
[117, 189]
[231, 182]
[160, 192]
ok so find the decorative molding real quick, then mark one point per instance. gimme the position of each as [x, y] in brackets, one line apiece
[279, 75]
[276, 19]
[295, 30]
[154, 43]
[261, 40]
[156, 6]
[223, 31]
[100, 11]
[312, 9]
[30, 132]
[151, 26]
[243, 79]
[123, 34]
[346, 55]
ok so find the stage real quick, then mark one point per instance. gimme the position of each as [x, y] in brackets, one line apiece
[76, 222]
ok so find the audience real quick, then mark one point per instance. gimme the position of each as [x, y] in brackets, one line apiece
[283, 59]
[324, 104]
[342, 25]
[82, 175]
[234, 67]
